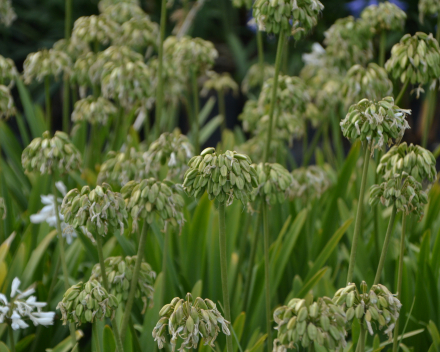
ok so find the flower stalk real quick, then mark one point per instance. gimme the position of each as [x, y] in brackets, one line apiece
[274, 93]
[134, 281]
[11, 338]
[357, 228]
[48, 107]
[267, 274]
[399, 280]
[196, 109]
[224, 269]
[160, 85]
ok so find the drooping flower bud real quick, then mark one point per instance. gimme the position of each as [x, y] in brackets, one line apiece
[384, 17]
[222, 176]
[188, 320]
[93, 110]
[416, 58]
[149, 197]
[97, 211]
[381, 122]
[321, 322]
[296, 18]
[45, 63]
[87, 302]
[120, 272]
[51, 154]
[378, 308]
[273, 183]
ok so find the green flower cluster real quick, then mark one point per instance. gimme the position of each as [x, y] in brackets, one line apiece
[348, 42]
[190, 54]
[256, 76]
[97, 211]
[322, 322]
[309, 182]
[149, 197]
[377, 306]
[220, 82]
[93, 110]
[86, 71]
[173, 149]
[7, 13]
[139, 33]
[273, 183]
[122, 12]
[2, 209]
[95, 28]
[402, 190]
[174, 83]
[295, 17]
[189, 320]
[251, 115]
[120, 272]
[51, 154]
[413, 160]
[370, 121]
[384, 17]
[222, 176]
[122, 167]
[369, 82]
[8, 72]
[7, 107]
[85, 303]
[45, 63]
[415, 58]
[428, 7]
[73, 49]
[103, 4]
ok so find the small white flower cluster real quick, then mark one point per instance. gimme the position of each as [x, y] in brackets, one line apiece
[22, 306]
[7, 13]
[48, 213]
[45, 63]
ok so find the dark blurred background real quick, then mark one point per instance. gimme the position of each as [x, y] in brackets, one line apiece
[40, 23]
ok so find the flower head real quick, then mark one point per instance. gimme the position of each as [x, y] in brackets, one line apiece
[120, 272]
[369, 82]
[385, 16]
[7, 107]
[95, 28]
[124, 11]
[371, 121]
[150, 197]
[295, 17]
[428, 7]
[171, 149]
[377, 308]
[139, 33]
[222, 176]
[21, 307]
[103, 4]
[256, 76]
[72, 48]
[220, 82]
[309, 182]
[87, 302]
[45, 63]
[8, 72]
[97, 211]
[47, 155]
[273, 183]
[301, 322]
[188, 320]
[93, 110]
[7, 13]
[416, 58]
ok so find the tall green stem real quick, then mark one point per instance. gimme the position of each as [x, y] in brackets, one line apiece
[382, 46]
[196, 109]
[164, 267]
[357, 227]
[399, 280]
[48, 108]
[376, 209]
[274, 93]
[254, 245]
[66, 104]
[222, 108]
[260, 54]
[134, 281]
[62, 253]
[107, 288]
[159, 97]
[68, 19]
[362, 337]
[267, 274]
[432, 102]
[386, 244]
[402, 91]
[98, 341]
[11, 338]
[224, 269]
